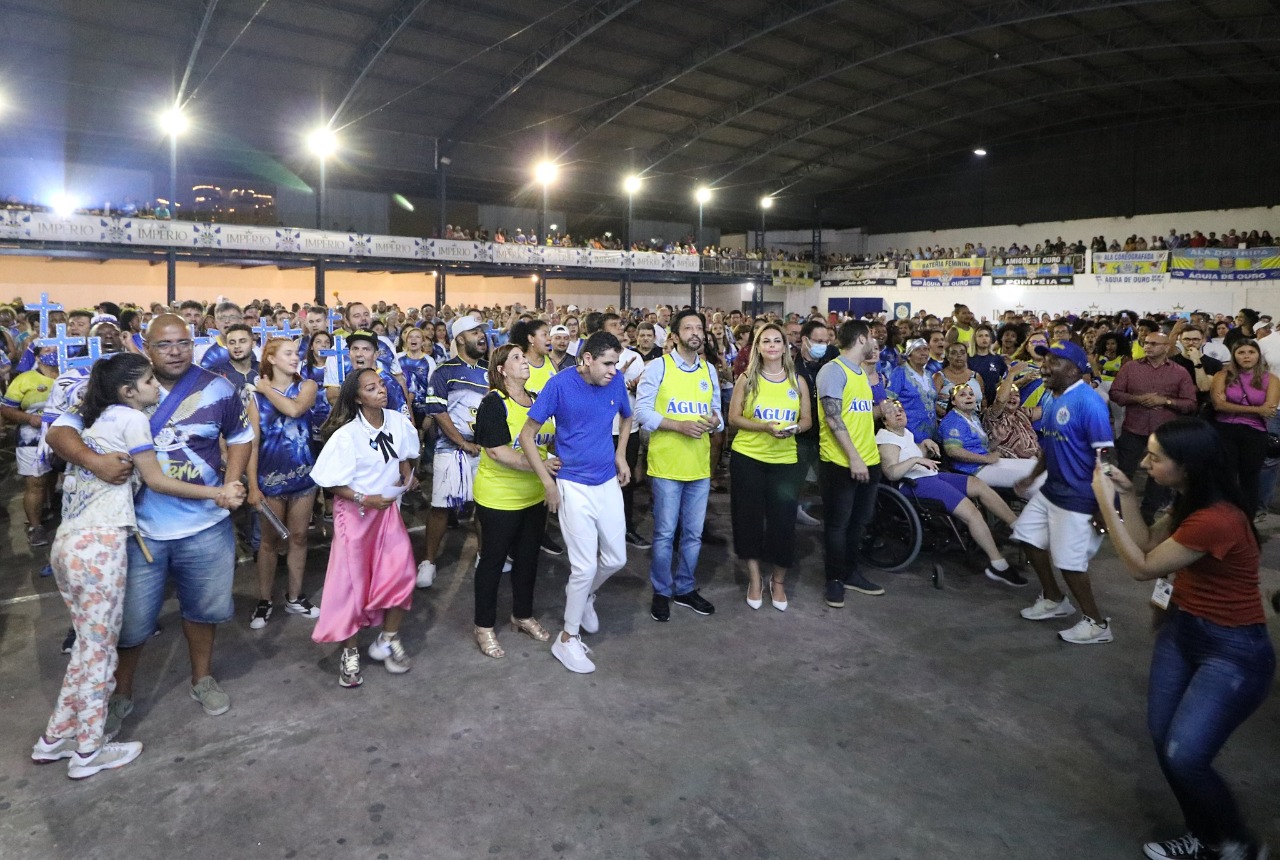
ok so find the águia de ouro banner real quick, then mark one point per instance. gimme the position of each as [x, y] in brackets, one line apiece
[1226, 264]
[964, 272]
[1032, 271]
[1130, 262]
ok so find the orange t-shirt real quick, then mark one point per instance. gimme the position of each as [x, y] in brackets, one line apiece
[1223, 585]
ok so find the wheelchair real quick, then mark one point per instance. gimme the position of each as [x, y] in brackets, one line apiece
[904, 525]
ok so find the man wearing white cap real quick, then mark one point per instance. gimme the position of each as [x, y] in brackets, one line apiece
[560, 356]
[456, 389]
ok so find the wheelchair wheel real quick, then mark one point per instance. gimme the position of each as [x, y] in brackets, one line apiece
[893, 536]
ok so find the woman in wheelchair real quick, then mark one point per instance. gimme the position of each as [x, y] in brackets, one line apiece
[901, 459]
[968, 446]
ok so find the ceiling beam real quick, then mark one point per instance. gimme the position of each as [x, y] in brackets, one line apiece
[392, 24]
[203, 28]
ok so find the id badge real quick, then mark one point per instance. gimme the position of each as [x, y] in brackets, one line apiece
[1161, 593]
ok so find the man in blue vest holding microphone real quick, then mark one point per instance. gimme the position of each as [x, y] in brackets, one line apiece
[677, 401]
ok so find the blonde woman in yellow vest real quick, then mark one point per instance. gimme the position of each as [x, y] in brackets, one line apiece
[850, 461]
[770, 406]
[510, 499]
[678, 402]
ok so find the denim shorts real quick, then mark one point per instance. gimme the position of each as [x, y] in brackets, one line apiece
[202, 568]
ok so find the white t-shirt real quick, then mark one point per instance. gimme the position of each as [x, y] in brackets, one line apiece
[632, 367]
[908, 448]
[92, 502]
[353, 457]
[1270, 346]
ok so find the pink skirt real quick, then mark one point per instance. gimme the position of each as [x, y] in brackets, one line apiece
[371, 570]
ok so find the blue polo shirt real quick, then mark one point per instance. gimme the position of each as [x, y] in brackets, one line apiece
[1076, 423]
[584, 424]
[956, 430]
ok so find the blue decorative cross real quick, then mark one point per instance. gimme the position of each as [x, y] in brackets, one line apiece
[288, 331]
[264, 331]
[203, 341]
[94, 347]
[44, 308]
[334, 317]
[343, 355]
[63, 342]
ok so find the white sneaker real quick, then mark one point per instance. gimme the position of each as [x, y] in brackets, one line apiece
[573, 654]
[506, 565]
[803, 518]
[106, 757]
[390, 652]
[44, 752]
[1044, 609]
[1088, 632]
[1185, 847]
[590, 622]
[426, 574]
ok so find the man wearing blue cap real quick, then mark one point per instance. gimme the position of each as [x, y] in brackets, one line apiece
[1057, 524]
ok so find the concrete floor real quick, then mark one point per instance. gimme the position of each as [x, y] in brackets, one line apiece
[923, 724]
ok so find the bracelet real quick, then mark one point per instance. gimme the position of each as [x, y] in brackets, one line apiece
[359, 497]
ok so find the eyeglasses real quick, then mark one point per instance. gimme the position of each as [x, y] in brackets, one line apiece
[173, 345]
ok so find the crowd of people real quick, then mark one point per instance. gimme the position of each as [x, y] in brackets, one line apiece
[182, 432]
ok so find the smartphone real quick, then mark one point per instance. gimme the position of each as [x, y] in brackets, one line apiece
[1107, 456]
[791, 428]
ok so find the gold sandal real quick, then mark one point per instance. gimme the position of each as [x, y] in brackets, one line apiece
[488, 642]
[531, 627]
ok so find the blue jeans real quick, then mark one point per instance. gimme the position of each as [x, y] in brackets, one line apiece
[202, 568]
[683, 502]
[1206, 680]
[1270, 471]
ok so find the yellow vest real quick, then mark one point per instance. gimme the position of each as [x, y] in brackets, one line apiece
[856, 410]
[682, 396]
[773, 402]
[505, 489]
[540, 376]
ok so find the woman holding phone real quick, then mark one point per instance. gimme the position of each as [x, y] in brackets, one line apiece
[770, 405]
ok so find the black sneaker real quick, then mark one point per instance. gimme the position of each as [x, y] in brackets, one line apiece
[634, 539]
[834, 595]
[37, 536]
[862, 585]
[69, 643]
[261, 615]
[1275, 602]
[1008, 576]
[696, 602]
[550, 547]
[661, 608]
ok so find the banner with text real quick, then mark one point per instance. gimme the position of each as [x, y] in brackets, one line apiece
[24, 226]
[1032, 271]
[1130, 262]
[860, 276]
[798, 276]
[963, 272]
[1226, 264]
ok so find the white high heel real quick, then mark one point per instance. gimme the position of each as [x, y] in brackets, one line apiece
[759, 601]
[780, 605]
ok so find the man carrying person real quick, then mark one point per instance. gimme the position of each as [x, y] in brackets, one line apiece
[587, 489]
[677, 401]
[187, 541]
[1153, 391]
[1056, 526]
[850, 461]
[457, 387]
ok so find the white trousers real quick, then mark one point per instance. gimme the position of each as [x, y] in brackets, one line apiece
[1009, 471]
[594, 529]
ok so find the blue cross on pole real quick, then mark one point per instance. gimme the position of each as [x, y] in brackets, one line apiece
[264, 331]
[44, 308]
[202, 341]
[288, 331]
[334, 317]
[63, 343]
[342, 353]
[94, 347]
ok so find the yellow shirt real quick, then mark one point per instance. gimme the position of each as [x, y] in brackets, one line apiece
[856, 411]
[682, 396]
[29, 391]
[502, 488]
[774, 402]
[539, 376]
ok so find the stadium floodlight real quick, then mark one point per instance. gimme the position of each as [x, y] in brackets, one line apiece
[62, 204]
[322, 142]
[173, 122]
[545, 173]
[979, 152]
[766, 202]
[703, 195]
[632, 184]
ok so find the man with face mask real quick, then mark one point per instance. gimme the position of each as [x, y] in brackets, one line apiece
[814, 351]
[456, 389]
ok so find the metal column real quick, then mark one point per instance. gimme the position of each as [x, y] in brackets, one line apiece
[320, 280]
[440, 279]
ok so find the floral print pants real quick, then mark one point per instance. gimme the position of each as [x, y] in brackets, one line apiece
[89, 566]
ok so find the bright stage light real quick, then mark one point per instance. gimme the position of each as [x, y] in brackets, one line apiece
[62, 204]
[632, 184]
[322, 142]
[703, 194]
[979, 152]
[545, 172]
[174, 122]
[766, 202]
